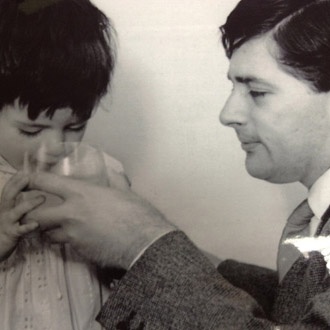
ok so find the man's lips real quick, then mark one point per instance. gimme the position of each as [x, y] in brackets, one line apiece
[249, 146]
[248, 142]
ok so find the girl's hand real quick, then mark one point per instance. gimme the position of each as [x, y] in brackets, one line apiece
[11, 211]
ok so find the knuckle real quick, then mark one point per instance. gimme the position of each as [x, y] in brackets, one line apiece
[9, 216]
[78, 194]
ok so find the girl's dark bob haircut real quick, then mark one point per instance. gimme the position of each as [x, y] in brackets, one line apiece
[54, 54]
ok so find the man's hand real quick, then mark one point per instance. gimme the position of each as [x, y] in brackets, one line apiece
[110, 226]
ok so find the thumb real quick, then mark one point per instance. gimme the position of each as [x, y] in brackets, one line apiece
[118, 180]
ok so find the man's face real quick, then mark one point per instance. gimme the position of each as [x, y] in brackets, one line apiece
[282, 124]
[20, 135]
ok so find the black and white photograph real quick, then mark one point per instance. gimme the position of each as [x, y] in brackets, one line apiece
[164, 165]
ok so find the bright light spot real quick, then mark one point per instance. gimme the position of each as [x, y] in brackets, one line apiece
[309, 244]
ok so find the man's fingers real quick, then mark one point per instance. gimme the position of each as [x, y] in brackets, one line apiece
[27, 205]
[27, 228]
[47, 218]
[54, 184]
[14, 186]
[56, 235]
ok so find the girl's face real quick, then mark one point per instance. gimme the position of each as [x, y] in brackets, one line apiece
[20, 135]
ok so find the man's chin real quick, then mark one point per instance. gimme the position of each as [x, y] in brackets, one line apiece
[269, 176]
[259, 172]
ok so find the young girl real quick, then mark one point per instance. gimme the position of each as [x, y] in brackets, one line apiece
[55, 64]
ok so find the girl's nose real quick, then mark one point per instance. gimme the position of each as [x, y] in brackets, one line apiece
[54, 145]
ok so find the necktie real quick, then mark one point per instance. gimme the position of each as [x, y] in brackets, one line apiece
[297, 225]
[322, 228]
[301, 278]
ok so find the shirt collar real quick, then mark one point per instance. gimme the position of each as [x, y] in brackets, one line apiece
[319, 195]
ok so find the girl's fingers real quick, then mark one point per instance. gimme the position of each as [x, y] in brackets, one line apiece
[14, 186]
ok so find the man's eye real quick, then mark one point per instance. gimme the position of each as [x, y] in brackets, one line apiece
[29, 133]
[256, 94]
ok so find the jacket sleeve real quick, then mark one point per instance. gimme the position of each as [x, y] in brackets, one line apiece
[173, 286]
[259, 282]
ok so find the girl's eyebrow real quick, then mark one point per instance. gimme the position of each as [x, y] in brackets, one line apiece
[31, 124]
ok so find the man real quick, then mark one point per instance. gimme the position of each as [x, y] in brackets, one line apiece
[280, 109]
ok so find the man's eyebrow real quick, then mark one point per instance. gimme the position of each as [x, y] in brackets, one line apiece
[249, 79]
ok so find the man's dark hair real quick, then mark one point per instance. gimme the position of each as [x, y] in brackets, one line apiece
[54, 54]
[301, 29]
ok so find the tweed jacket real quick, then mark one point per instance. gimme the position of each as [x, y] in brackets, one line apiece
[173, 286]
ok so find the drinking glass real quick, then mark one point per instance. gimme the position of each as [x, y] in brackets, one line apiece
[76, 160]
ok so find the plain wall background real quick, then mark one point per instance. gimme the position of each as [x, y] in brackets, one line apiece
[161, 122]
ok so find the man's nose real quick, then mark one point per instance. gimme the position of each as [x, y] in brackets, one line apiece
[235, 111]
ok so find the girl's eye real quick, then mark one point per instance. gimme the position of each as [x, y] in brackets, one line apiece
[29, 133]
[76, 128]
[256, 94]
